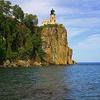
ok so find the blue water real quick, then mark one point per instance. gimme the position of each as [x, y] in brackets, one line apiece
[74, 82]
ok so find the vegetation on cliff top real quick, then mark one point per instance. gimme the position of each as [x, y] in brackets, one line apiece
[19, 38]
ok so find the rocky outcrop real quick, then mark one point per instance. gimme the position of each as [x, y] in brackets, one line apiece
[21, 63]
[55, 45]
[69, 56]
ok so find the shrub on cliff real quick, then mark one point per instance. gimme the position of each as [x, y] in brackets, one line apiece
[37, 50]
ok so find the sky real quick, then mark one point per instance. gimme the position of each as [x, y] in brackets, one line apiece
[81, 19]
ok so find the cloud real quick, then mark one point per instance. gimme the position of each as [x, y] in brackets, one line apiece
[68, 12]
[88, 49]
[72, 32]
[80, 26]
[84, 22]
[85, 5]
[90, 43]
[42, 7]
[35, 7]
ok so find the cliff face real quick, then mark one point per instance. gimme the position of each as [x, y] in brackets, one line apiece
[55, 45]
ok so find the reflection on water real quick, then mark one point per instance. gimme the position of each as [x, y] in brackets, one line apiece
[76, 82]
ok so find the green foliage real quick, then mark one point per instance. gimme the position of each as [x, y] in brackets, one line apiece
[18, 12]
[5, 7]
[30, 20]
[18, 34]
[37, 47]
[2, 50]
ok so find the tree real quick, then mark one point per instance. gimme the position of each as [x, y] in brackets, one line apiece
[2, 3]
[30, 21]
[5, 7]
[2, 49]
[37, 51]
[18, 12]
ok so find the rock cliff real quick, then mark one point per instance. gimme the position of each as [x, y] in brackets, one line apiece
[55, 44]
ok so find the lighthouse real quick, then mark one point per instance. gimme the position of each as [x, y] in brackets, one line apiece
[52, 19]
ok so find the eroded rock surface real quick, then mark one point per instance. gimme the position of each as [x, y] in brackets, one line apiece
[55, 44]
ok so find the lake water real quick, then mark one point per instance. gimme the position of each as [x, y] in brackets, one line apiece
[74, 82]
